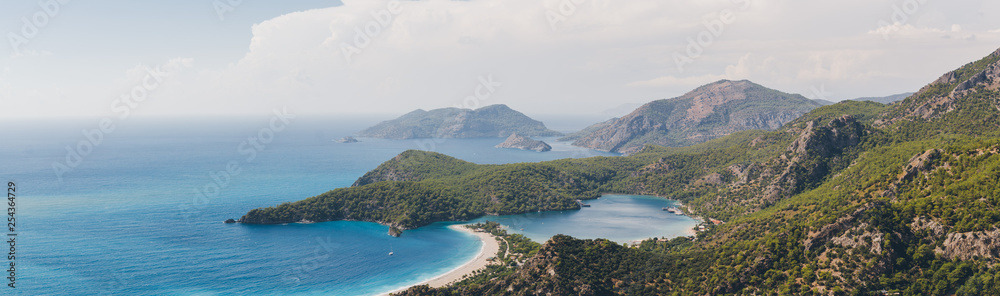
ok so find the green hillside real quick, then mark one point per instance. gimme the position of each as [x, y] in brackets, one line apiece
[855, 198]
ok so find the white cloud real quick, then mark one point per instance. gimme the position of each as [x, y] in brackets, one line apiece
[901, 29]
[433, 51]
[675, 81]
[550, 57]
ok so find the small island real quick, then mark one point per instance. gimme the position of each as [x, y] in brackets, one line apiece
[493, 121]
[347, 139]
[524, 143]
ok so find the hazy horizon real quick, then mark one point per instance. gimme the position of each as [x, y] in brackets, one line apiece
[559, 57]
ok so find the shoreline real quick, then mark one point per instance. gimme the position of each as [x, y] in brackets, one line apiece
[489, 249]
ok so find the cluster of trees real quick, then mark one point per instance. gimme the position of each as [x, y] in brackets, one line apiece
[847, 221]
[416, 191]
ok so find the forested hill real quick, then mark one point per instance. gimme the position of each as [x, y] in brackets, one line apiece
[911, 207]
[855, 198]
[493, 121]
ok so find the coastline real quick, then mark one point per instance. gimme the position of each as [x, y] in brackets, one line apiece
[489, 249]
[678, 203]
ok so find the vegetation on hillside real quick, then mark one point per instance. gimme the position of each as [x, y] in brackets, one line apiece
[854, 198]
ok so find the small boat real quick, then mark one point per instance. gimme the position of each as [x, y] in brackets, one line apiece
[390, 253]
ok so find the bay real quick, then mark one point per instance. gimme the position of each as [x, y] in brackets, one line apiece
[141, 213]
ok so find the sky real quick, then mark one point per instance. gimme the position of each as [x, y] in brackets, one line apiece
[123, 59]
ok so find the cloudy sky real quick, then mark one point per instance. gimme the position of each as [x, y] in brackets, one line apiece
[96, 58]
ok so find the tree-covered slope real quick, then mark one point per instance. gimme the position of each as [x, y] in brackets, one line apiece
[690, 174]
[912, 208]
[417, 188]
[886, 99]
[855, 198]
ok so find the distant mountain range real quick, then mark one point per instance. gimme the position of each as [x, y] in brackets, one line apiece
[706, 113]
[884, 100]
[854, 198]
[887, 99]
[494, 121]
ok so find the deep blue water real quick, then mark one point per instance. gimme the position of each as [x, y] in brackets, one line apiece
[142, 213]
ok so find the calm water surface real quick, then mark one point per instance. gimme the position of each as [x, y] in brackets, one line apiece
[141, 214]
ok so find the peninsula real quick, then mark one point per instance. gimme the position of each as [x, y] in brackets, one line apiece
[855, 197]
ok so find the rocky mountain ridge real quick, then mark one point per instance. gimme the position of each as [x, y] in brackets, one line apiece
[706, 113]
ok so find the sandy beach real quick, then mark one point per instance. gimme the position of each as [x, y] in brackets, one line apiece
[489, 249]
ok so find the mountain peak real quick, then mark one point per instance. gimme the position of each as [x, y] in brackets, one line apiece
[726, 84]
[495, 107]
[707, 112]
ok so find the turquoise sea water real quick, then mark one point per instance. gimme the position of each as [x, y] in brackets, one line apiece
[621, 218]
[141, 213]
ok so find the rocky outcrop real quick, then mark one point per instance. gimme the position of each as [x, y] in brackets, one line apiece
[803, 163]
[395, 231]
[920, 163]
[859, 237]
[741, 172]
[494, 121]
[971, 245]
[943, 95]
[931, 227]
[831, 231]
[516, 141]
[708, 112]
[713, 178]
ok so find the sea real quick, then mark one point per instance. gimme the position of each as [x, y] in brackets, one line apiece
[138, 209]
